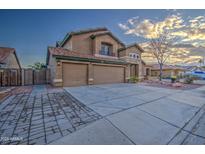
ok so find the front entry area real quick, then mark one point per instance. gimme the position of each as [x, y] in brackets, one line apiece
[134, 70]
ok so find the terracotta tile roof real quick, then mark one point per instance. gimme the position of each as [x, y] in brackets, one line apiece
[57, 51]
[156, 67]
[131, 45]
[89, 30]
[5, 52]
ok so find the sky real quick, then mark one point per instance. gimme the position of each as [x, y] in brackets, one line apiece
[30, 32]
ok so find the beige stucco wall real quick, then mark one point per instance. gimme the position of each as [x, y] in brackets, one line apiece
[122, 53]
[68, 44]
[141, 75]
[133, 49]
[57, 71]
[81, 43]
[125, 56]
[145, 70]
[11, 62]
[52, 66]
[106, 39]
[127, 73]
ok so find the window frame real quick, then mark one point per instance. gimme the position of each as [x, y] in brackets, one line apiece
[108, 51]
[134, 55]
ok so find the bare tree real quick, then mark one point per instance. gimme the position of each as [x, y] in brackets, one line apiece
[161, 48]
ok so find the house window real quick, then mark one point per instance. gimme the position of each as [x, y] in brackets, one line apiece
[106, 49]
[134, 55]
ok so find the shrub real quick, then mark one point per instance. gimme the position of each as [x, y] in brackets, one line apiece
[173, 79]
[165, 77]
[190, 78]
[134, 79]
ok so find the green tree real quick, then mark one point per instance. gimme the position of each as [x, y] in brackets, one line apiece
[37, 66]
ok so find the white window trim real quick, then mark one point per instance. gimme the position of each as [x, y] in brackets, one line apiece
[137, 56]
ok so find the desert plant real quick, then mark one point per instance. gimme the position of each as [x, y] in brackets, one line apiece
[173, 79]
[190, 78]
[134, 79]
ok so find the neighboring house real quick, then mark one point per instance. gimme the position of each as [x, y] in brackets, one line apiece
[195, 68]
[93, 56]
[8, 58]
[167, 70]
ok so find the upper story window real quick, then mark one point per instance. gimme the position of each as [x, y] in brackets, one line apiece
[106, 49]
[134, 55]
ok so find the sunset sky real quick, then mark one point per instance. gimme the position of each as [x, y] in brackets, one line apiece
[31, 31]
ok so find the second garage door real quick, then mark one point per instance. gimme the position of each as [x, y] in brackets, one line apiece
[108, 74]
[75, 74]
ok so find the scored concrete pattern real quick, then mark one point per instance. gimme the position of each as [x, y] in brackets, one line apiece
[175, 113]
[109, 99]
[40, 117]
[142, 114]
[104, 114]
[100, 132]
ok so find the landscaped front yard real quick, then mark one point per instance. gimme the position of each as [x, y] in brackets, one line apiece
[103, 114]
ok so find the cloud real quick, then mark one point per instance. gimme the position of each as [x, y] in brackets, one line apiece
[189, 31]
[122, 26]
[181, 54]
[149, 29]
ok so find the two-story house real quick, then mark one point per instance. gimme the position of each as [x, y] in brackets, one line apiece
[93, 56]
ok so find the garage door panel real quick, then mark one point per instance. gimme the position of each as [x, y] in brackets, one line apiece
[74, 74]
[108, 74]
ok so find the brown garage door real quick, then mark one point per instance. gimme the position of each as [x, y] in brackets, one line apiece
[74, 74]
[108, 74]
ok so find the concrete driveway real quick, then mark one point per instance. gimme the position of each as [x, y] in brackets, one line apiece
[136, 114]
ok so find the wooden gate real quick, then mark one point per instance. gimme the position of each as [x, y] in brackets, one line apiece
[18, 77]
[39, 76]
[27, 77]
[10, 77]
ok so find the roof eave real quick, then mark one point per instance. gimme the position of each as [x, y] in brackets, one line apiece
[108, 33]
[69, 35]
[48, 56]
[89, 60]
[129, 46]
[17, 58]
[65, 39]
